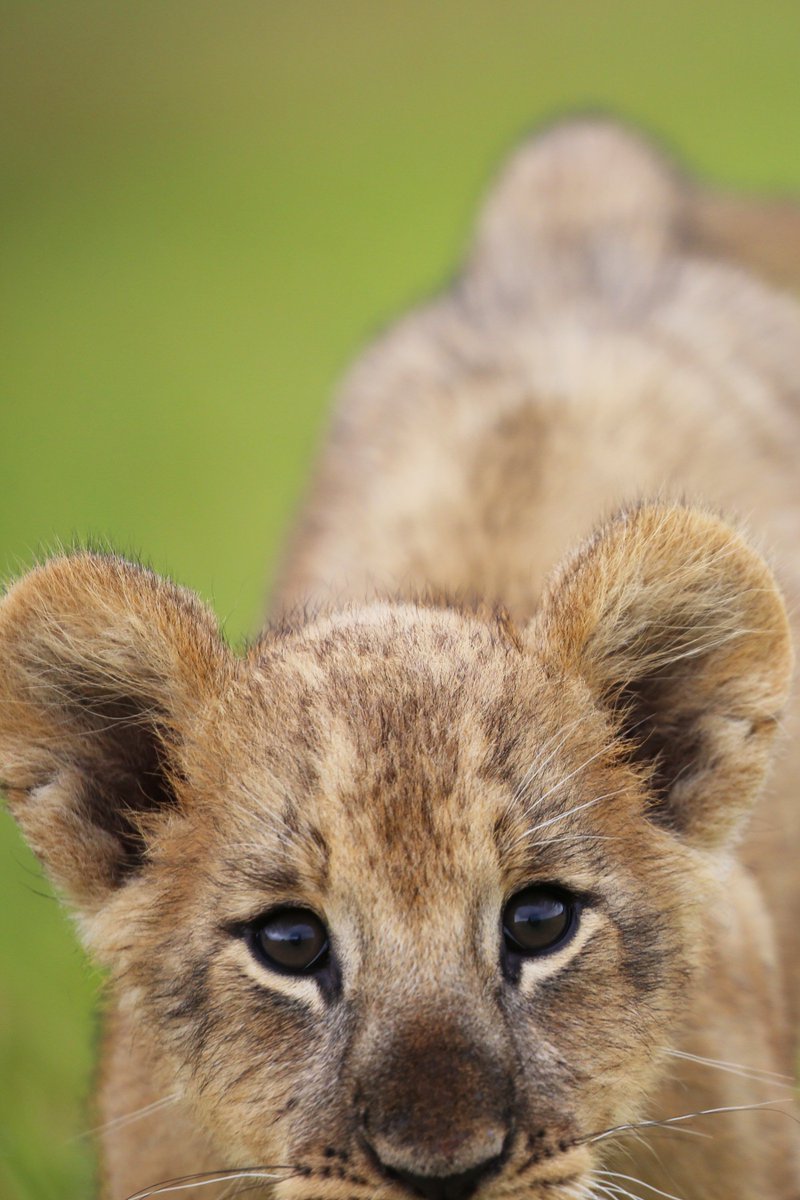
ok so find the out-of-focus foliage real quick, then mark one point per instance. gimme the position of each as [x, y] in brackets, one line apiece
[206, 208]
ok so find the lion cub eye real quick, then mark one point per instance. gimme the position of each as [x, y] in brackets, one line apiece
[539, 919]
[290, 940]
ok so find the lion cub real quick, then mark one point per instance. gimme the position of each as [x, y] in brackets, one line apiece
[426, 897]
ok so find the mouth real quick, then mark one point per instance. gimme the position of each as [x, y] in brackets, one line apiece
[330, 1181]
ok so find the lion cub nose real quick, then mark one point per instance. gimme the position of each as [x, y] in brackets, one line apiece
[449, 1187]
[436, 1111]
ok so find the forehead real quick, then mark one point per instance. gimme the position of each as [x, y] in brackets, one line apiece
[398, 744]
[393, 723]
[387, 681]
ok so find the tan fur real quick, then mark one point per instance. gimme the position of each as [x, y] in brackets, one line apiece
[402, 759]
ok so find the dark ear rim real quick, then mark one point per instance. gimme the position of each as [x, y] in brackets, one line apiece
[679, 631]
[107, 668]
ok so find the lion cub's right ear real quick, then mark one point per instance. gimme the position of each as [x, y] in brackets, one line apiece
[679, 630]
[105, 668]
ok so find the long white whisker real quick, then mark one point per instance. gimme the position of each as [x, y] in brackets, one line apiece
[703, 1112]
[607, 1190]
[131, 1117]
[568, 813]
[566, 778]
[639, 1182]
[194, 1181]
[755, 1073]
[581, 1192]
[539, 764]
[579, 837]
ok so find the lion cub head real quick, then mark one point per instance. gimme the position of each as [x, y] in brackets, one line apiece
[403, 899]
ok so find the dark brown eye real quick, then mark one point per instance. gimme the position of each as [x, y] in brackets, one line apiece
[290, 940]
[539, 919]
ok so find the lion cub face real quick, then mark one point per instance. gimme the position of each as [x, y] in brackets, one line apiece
[404, 899]
[477, 900]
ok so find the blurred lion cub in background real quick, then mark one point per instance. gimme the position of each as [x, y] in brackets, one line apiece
[426, 897]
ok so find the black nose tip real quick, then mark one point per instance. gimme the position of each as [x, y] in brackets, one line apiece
[448, 1187]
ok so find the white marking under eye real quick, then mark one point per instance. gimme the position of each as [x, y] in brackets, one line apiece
[299, 987]
[536, 969]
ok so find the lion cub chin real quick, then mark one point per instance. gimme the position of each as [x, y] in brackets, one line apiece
[417, 897]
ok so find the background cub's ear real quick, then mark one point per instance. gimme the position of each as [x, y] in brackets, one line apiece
[105, 668]
[678, 628]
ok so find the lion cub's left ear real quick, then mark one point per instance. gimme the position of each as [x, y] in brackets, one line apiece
[105, 670]
[678, 629]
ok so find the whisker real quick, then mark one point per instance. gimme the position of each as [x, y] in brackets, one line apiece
[606, 1190]
[205, 1179]
[639, 1182]
[539, 764]
[581, 1192]
[588, 1192]
[703, 1112]
[568, 813]
[754, 1073]
[566, 778]
[657, 1130]
[129, 1118]
[579, 837]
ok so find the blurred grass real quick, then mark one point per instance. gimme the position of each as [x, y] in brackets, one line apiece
[205, 209]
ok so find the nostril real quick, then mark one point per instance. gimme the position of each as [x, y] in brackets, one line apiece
[448, 1187]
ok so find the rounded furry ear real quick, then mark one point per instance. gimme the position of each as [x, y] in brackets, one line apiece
[105, 669]
[678, 629]
[588, 206]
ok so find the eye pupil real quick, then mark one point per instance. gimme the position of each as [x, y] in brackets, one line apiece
[291, 940]
[538, 919]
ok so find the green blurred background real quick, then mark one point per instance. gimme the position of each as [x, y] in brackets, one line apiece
[206, 210]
